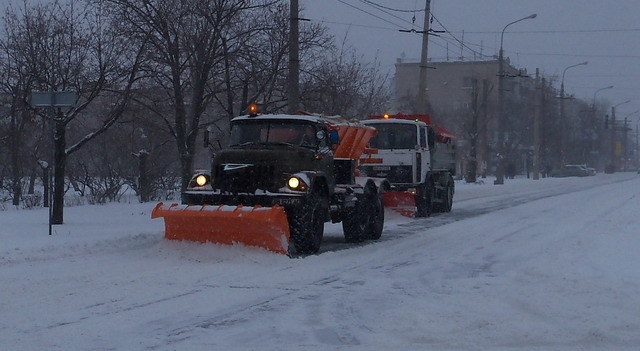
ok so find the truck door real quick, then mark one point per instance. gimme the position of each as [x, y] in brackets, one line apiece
[422, 160]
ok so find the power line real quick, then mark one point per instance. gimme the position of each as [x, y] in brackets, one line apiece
[604, 30]
[378, 17]
[390, 8]
[455, 38]
[579, 55]
[356, 25]
[388, 13]
[467, 46]
[380, 8]
[367, 12]
[369, 27]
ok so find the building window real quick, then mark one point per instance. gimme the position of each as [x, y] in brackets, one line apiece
[467, 82]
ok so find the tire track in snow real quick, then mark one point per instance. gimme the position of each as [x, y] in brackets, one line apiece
[471, 207]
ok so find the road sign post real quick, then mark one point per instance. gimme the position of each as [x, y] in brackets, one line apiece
[52, 100]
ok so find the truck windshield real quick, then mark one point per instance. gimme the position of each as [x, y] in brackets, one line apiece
[395, 136]
[273, 132]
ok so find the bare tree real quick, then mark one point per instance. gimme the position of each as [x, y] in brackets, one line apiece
[135, 153]
[16, 122]
[258, 68]
[344, 83]
[475, 124]
[254, 65]
[188, 43]
[68, 46]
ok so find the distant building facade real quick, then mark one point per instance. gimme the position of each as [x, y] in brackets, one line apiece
[463, 97]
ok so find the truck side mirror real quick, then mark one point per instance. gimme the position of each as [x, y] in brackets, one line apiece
[205, 138]
[431, 137]
[334, 137]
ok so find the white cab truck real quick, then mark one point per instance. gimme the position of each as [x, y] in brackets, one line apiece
[418, 160]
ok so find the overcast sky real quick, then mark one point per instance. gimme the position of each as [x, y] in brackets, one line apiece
[564, 33]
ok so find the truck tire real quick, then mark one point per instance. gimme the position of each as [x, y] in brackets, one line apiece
[355, 224]
[366, 219]
[376, 221]
[424, 205]
[306, 225]
[447, 203]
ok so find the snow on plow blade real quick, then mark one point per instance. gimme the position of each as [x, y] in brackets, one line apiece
[403, 202]
[265, 227]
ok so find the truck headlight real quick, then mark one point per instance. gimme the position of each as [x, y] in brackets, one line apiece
[201, 180]
[297, 184]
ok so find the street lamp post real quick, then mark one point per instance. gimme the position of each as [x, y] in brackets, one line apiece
[562, 121]
[637, 148]
[53, 100]
[500, 127]
[613, 136]
[625, 141]
[593, 107]
[592, 125]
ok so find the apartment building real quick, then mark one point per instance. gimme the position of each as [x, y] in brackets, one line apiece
[463, 97]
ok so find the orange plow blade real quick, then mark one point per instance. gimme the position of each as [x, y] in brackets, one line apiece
[265, 227]
[402, 202]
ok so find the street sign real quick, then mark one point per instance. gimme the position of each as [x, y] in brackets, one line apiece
[53, 98]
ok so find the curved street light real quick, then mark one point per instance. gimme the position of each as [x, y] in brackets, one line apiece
[613, 136]
[500, 127]
[565, 71]
[533, 15]
[597, 91]
[613, 113]
[625, 140]
[593, 121]
[624, 102]
[631, 114]
[562, 122]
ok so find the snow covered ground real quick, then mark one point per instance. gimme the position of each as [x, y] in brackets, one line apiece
[552, 264]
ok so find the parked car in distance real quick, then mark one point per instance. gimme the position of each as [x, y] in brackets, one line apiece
[572, 171]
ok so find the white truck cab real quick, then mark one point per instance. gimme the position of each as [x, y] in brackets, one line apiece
[415, 156]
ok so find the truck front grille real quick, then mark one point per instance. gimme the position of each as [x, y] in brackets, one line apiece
[394, 174]
[246, 179]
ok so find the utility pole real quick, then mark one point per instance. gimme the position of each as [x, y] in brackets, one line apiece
[624, 145]
[536, 127]
[613, 139]
[422, 82]
[613, 136]
[294, 59]
[472, 168]
[500, 122]
[501, 118]
[562, 115]
[53, 101]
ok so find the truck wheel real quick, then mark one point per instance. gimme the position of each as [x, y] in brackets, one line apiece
[355, 223]
[366, 220]
[447, 201]
[423, 200]
[306, 225]
[376, 221]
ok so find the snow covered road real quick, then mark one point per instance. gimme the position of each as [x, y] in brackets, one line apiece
[515, 266]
